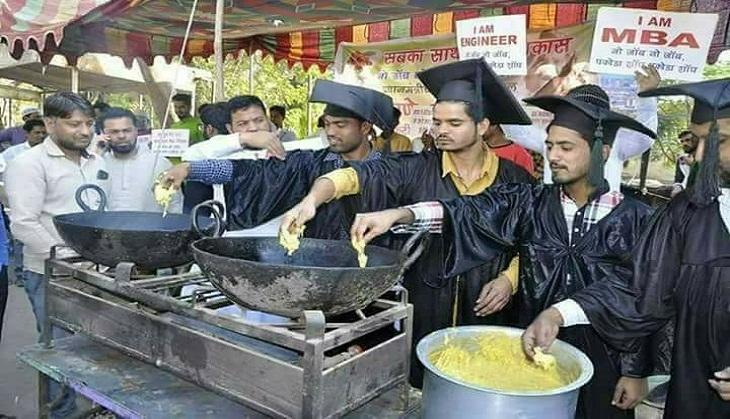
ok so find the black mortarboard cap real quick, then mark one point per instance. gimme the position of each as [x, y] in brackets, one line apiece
[587, 110]
[712, 102]
[458, 82]
[356, 102]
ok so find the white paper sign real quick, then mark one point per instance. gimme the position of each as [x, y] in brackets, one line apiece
[170, 142]
[144, 140]
[501, 40]
[676, 43]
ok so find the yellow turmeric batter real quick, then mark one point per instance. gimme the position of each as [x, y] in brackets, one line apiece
[496, 361]
[290, 240]
[543, 360]
[163, 196]
[359, 246]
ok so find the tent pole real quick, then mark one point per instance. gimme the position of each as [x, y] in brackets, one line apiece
[309, 108]
[74, 79]
[250, 72]
[218, 48]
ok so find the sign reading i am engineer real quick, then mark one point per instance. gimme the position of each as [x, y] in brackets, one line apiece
[675, 43]
[500, 40]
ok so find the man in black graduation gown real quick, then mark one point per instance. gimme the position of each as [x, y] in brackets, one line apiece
[681, 273]
[469, 97]
[570, 235]
[260, 190]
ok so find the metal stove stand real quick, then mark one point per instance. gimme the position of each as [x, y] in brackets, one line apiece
[311, 367]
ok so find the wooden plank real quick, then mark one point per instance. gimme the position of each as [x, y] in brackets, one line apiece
[127, 386]
[343, 335]
[376, 370]
[134, 388]
[244, 374]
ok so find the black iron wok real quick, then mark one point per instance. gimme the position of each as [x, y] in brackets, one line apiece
[147, 239]
[256, 272]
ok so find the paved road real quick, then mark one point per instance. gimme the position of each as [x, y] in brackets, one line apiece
[18, 391]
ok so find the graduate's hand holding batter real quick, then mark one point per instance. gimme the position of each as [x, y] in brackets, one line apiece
[175, 176]
[542, 332]
[298, 215]
[371, 225]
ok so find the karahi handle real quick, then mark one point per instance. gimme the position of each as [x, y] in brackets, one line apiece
[414, 247]
[216, 208]
[98, 190]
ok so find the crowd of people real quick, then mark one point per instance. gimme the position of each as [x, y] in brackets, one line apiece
[574, 258]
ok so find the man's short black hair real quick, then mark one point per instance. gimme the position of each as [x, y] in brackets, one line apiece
[32, 123]
[216, 115]
[115, 113]
[63, 104]
[244, 102]
[101, 106]
[183, 97]
[278, 109]
[685, 133]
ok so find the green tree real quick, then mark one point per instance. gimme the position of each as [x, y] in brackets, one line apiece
[274, 83]
[674, 114]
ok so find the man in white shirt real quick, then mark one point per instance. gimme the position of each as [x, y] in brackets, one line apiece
[132, 167]
[42, 183]
[215, 119]
[251, 134]
[277, 115]
[36, 132]
[689, 143]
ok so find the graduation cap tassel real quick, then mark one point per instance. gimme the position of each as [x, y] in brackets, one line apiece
[595, 173]
[706, 185]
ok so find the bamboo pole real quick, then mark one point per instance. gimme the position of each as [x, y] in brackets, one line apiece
[218, 49]
[74, 79]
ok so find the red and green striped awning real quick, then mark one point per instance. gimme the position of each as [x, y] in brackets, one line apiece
[298, 31]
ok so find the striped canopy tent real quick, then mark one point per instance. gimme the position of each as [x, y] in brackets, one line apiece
[298, 31]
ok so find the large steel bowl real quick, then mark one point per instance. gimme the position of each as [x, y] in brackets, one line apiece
[256, 273]
[445, 397]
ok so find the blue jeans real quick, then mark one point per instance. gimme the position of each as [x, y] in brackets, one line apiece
[15, 268]
[35, 287]
[3, 296]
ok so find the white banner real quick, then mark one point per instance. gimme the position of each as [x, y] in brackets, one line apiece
[500, 40]
[676, 43]
[170, 142]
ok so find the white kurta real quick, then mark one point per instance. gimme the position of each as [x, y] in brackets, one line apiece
[133, 178]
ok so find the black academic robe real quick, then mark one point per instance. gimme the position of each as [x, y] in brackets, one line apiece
[681, 272]
[439, 301]
[552, 267]
[264, 189]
